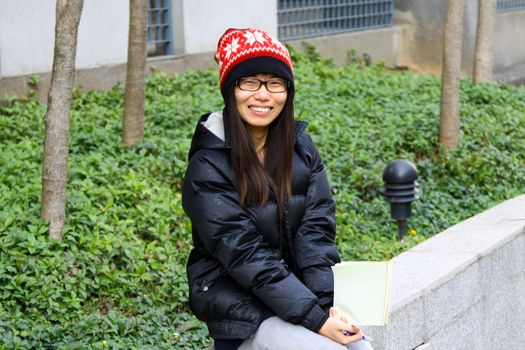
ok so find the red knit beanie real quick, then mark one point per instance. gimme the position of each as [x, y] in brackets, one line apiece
[244, 52]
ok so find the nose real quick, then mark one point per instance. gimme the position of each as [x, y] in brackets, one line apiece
[262, 93]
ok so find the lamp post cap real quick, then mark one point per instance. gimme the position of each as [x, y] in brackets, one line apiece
[400, 171]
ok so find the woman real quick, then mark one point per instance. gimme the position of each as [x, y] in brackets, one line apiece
[261, 209]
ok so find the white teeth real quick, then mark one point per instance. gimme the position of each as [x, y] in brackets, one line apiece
[261, 109]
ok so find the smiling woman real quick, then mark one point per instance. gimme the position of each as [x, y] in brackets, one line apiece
[262, 212]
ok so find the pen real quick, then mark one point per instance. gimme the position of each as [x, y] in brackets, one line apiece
[363, 337]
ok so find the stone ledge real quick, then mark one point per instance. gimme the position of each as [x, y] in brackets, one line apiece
[442, 292]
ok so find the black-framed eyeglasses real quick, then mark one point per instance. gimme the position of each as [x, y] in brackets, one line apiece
[254, 84]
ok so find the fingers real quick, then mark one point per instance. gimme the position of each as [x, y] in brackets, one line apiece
[339, 329]
[353, 334]
[354, 329]
[333, 328]
[342, 332]
[335, 312]
[352, 338]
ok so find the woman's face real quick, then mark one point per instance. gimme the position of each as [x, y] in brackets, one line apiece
[258, 109]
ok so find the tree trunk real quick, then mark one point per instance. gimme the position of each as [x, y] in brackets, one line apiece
[54, 171]
[483, 61]
[450, 79]
[133, 118]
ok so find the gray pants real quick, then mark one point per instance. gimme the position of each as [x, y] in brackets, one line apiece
[276, 334]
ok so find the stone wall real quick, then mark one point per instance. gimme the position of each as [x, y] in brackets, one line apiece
[463, 288]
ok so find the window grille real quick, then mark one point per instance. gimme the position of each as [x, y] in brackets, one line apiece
[509, 5]
[298, 19]
[160, 39]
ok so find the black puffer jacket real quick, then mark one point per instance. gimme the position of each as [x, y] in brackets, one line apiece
[246, 263]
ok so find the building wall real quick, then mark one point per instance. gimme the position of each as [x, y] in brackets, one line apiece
[425, 20]
[509, 47]
[414, 42]
[103, 33]
[27, 33]
[380, 45]
[205, 21]
[26, 36]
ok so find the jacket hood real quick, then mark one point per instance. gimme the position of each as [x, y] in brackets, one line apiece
[210, 133]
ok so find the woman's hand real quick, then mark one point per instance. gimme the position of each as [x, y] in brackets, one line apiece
[335, 326]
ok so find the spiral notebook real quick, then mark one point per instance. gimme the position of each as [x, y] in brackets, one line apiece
[362, 291]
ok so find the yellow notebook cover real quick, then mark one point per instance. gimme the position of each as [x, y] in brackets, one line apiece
[362, 291]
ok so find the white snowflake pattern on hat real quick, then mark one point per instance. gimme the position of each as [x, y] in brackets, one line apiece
[278, 43]
[232, 47]
[256, 36]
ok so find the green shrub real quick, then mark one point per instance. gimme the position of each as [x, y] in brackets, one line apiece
[117, 279]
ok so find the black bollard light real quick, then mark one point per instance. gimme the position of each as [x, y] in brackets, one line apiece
[400, 191]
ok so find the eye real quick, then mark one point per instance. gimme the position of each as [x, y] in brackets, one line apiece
[250, 83]
[277, 84]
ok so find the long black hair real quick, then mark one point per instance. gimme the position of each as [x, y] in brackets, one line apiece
[255, 180]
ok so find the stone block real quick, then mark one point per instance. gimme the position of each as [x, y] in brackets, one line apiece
[462, 333]
[504, 315]
[404, 330]
[502, 265]
[451, 299]
[417, 271]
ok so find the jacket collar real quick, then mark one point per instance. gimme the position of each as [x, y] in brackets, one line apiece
[210, 132]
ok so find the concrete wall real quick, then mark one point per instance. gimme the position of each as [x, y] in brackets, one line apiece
[425, 21]
[204, 21]
[103, 33]
[27, 34]
[463, 288]
[27, 37]
[386, 45]
[424, 40]
[509, 46]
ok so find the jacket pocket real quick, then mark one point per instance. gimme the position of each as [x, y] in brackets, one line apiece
[222, 299]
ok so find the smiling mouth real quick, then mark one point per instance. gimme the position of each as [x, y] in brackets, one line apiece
[260, 109]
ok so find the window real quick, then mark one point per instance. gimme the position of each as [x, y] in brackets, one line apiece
[509, 5]
[160, 38]
[298, 19]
